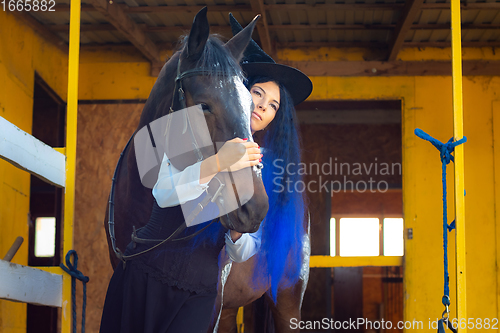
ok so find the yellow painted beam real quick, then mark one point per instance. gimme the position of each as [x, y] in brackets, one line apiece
[52, 269]
[240, 325]
[71, 127]
[61, 150]
[456, 49]
[337, 261]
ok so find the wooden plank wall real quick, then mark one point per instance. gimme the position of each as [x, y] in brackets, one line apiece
[103, 131]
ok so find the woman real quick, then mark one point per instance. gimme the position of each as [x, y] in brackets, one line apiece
[276, 130]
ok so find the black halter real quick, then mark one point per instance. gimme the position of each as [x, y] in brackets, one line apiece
[210, 197]
[178, 83]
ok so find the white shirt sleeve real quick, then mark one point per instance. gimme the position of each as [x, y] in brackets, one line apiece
[244, 247]
[176, 187]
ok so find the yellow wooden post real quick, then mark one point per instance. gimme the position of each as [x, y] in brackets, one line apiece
[456, 49]
[240, 325]
[71, 122]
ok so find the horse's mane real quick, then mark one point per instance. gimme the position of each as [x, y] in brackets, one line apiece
[283, 227]
[216, 58]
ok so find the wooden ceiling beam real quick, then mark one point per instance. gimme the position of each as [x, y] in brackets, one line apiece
[43, 30]
[378, 6]
[393, 68]
[242, 8]
[448, 44]
[168, 47]
[383, 45]
[370, 45]
[142, 27]
[61, 7]
[464, 6]
[156, 9]
[185, 29]
[227, 29]
[189, 9]
[335, 6]
[410, 11]
[332, 27]
[286, 7]
[123, 23]
[262, 26]
[83, 27]
[447, 26]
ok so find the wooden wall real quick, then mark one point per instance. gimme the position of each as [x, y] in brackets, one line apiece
[103, 131]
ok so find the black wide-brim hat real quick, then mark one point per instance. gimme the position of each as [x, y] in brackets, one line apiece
[256, 62]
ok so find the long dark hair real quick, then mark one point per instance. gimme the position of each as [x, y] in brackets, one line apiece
[283, 227]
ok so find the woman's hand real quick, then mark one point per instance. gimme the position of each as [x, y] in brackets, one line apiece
[237, 154]
[234, 155]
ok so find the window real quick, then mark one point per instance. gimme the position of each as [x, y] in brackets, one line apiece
[45, 236]
[393, 237]
[360, 237]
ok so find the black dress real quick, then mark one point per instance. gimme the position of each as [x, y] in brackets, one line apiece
[171, 289]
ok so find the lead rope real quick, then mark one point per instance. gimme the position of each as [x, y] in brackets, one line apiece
[72, 270]
[445, 150]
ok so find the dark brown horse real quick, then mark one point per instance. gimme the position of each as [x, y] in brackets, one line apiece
[240, 290]
[214, 80]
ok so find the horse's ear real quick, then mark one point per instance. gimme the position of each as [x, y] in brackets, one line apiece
[239, 42]
[198, 36]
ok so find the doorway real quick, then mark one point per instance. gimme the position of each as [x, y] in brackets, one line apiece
[44, 249]
[356, 146]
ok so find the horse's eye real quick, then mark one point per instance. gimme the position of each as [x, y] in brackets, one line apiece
[205, 107]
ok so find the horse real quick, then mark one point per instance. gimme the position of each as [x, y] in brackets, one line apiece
[241, 289]
[203, 72]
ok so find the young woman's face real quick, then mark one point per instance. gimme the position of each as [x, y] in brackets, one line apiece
[266, 98]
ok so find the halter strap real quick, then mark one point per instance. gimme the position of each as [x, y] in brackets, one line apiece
[181, 76]
[196, 72]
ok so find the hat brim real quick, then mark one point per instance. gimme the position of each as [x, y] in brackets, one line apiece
[298, 85]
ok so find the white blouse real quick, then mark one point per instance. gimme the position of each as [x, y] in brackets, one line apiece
[176, 187]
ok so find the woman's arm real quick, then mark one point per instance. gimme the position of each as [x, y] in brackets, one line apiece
[176, 187]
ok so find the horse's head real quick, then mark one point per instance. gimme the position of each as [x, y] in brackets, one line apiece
[215, 81]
